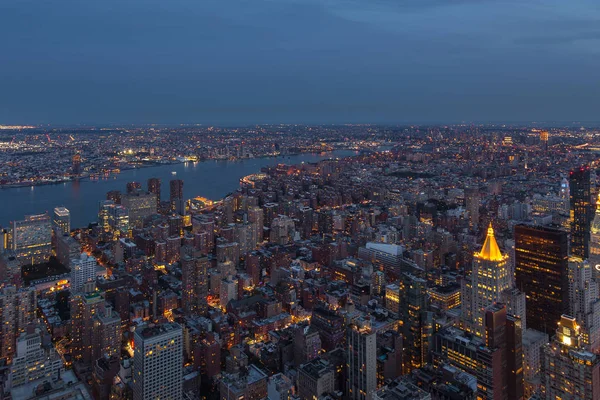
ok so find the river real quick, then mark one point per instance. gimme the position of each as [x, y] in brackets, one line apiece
[210, 179]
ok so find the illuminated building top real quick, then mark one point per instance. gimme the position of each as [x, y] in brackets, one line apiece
[490, 250]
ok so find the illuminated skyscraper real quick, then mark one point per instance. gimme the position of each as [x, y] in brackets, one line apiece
[568, 370]
[176, 196]
[489, 278]
[32, 239]
[541, 271]
[584, 302]
[158, 362]
[61, 221]
[140, 205]
[595, 242]
[544, 140]
[362, 361]
[581, 210]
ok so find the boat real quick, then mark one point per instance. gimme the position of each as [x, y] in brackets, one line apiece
[173, 172]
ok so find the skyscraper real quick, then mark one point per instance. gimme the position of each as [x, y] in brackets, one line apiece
[472, 200]
[61, 222]
[154, 187]
[362, 361]
[541, 271]
[584, 302]
[544, 140]
[489, 278]
[85, 304]
[158, 362]
[568, 370]
[595, 242]
[581, 210]
[417, 327]
[32, 239]
[176, 196]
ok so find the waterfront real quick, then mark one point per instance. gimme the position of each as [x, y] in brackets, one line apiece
[210, 179]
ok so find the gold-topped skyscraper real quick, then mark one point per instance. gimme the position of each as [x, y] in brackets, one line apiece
[489, 278]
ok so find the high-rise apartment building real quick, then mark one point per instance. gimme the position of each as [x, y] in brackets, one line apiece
[32, 239]
[472, 202]
[176, 196]
[158, 362]
[581, 210]
[83, 270]
[541, 271]
[584, 302]
[85, 305]
[154, 187]
[61, 221]
[17, 310]
[194, 284]
[362, 361]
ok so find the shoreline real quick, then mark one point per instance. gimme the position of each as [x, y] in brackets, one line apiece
[9, 186]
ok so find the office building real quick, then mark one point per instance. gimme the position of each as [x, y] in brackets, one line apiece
[490, 277]
[362, 361]
[32, 239]
[61, 221]
[140, 205]
[417, 327]
[34, 360]
[158, 362]
[83, 270]
[392, 298]
[581, 210]
[541, 271]
[569, 372]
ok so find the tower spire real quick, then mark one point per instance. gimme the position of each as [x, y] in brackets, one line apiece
[490, 250]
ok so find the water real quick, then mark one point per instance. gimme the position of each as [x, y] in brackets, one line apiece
[210, 179]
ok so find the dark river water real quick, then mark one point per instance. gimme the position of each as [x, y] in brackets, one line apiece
[210, 179]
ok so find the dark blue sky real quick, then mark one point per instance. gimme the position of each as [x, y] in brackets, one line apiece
[311, 61]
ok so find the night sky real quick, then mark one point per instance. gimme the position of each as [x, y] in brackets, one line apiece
[298, 61]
